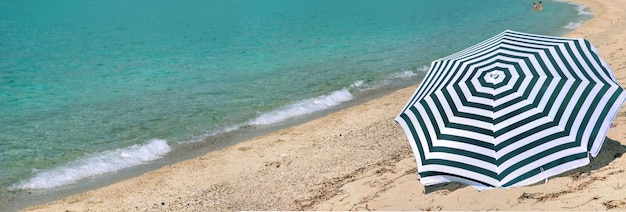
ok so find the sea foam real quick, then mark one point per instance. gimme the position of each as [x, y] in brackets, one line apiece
[303, 107]
[582, 10]
[403, 75]
[97, 164]
[299, 108]
[574, 25]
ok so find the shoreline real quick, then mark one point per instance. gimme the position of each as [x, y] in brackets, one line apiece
[357, 158]
[186, 151]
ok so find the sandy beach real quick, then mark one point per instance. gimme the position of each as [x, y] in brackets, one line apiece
[359, 159]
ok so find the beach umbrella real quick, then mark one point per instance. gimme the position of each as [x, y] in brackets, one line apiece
[511, 111]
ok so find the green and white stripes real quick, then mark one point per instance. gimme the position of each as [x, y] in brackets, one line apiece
[511, 111]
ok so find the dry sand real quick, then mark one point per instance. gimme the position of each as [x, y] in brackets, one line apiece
[359, 159]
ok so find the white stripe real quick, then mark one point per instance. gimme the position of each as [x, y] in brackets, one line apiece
[595, 148]
[425, 84]
[560, 64]
[522, 129]
[570, 60]
[486, 44]
[517, 118]
[409, 135]
[559, 101]
[462, 133]
[496, 66]
[460, 172]
[432, 180]
[470, 98]
[510, 109]
[438, 83]
[585, 66]
[551, 88]
[538, 163]
[570, 105]
[554, 171]
[594, 51]
[453, 119]
[421, 136]
[458, 158]
[595, 118]
[586, 106]
[525, 141]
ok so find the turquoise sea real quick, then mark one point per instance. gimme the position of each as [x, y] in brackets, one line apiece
[94, 87]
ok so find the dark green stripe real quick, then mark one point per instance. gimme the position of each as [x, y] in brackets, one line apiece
[426, 133]
[439, 135]
[537, 129]
[460, 165]
[457, 113]
[545, 167]
[527, 147]
[433, 173]
[598, 61]
[604, 114]
[435, 74]
[538, 37]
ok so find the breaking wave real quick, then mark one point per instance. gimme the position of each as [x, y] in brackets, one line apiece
[574, 25]
[97, 164]
[303, 107]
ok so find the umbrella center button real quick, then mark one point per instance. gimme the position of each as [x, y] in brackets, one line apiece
[495, 77]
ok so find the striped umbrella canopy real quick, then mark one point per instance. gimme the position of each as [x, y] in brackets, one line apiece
[511, 111]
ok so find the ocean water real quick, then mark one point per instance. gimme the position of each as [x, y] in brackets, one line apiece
[90, 87]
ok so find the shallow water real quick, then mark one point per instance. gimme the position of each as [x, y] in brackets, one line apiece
[84, 84]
